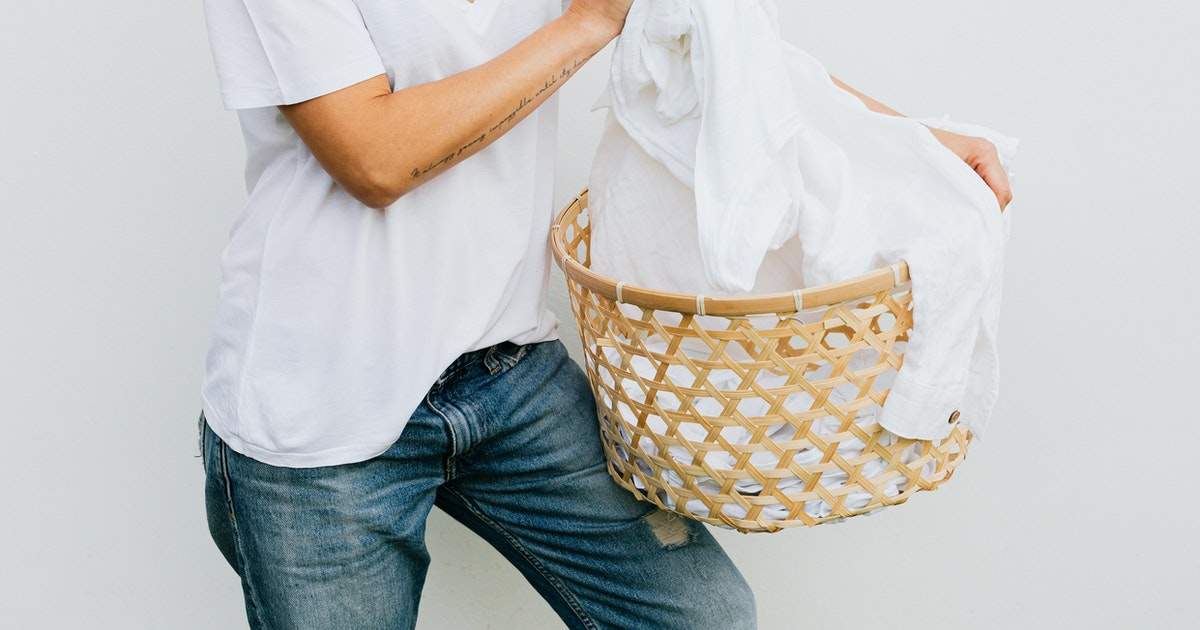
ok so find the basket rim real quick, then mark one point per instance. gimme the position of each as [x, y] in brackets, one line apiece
[866, 285]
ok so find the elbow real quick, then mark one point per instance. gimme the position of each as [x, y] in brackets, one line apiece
[377, 199]
[374, 193]
[375, 187]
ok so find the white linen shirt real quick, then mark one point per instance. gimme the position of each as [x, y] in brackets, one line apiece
[334, 319]
[771, 177]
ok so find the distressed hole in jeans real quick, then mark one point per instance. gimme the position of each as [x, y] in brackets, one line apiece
[669, 528]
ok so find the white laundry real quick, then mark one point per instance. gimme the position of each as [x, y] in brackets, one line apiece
[732, 163]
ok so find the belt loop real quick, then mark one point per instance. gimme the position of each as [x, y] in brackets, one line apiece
[490, 361]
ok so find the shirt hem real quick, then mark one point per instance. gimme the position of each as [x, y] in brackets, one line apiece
[338, 456]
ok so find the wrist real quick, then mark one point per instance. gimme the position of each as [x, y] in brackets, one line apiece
[593, 32]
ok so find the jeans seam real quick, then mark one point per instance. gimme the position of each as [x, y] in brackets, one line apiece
[455, 369]
[200, 430]
[563, 592]
[237, 538]
[448, 471]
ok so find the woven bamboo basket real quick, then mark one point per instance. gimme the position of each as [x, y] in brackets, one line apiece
[696, 396]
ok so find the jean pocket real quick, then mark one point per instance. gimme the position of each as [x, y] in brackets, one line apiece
[200, 424]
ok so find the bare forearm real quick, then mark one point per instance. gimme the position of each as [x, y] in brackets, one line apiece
[399, 140]
[871, 103]
[471, 110]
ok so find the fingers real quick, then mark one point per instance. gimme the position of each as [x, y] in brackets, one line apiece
[989, 168]
[981, 155]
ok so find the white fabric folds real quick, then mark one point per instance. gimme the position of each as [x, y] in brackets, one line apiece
[732, 163]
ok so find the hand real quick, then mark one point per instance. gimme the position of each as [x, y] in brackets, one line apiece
[980, 155]
[605, 18]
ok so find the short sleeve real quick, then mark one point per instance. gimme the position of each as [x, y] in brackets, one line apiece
[280, 52]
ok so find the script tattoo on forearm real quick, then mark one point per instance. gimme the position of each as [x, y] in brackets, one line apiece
[526, 101]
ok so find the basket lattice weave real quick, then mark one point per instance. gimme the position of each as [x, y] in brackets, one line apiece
[813, 343]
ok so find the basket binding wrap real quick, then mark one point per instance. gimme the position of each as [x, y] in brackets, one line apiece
[850, 338]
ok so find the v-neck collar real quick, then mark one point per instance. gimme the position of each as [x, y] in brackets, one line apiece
[479, 13]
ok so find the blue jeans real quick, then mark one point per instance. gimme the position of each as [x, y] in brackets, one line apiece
[505, 442]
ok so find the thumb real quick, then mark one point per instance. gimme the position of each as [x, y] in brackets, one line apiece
[994, 176]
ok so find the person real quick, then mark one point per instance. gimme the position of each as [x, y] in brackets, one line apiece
[382, 344]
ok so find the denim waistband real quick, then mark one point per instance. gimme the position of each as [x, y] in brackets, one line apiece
[485, 355]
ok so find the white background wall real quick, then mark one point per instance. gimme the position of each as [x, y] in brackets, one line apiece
[120, 176]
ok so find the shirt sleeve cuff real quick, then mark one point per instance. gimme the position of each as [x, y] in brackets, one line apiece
[300, 90]
[919, 411]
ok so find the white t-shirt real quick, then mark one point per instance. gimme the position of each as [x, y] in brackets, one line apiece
[334, 319]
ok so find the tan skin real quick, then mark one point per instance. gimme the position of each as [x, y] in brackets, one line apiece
[978, 153]
[379, 144]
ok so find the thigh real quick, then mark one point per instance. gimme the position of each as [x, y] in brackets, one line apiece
[539, 491]
[333, 547]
